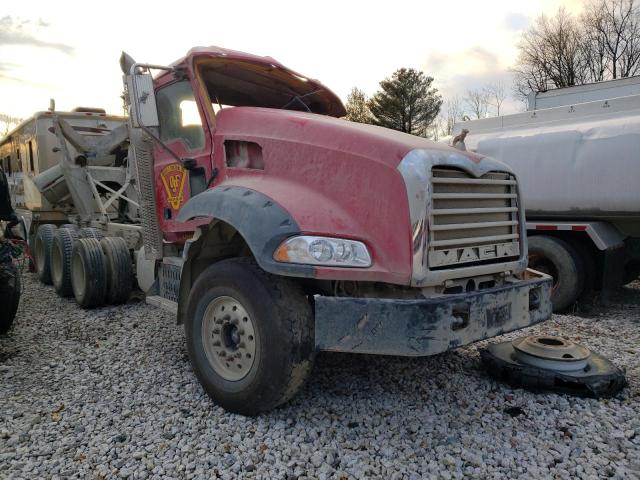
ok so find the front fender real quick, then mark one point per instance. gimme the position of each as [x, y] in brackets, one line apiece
[263, 223]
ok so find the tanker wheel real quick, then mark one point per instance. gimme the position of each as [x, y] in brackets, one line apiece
[42, 251]
[9, 295]
[631, 271]
[88, 273]
[91, 232]
[70, 226]
[249, 336]
[119, 269]
[557, 258]
[61, 254]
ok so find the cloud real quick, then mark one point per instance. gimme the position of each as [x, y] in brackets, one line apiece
[16, 31]
[473, 68]
[516, 21]
[474, 58]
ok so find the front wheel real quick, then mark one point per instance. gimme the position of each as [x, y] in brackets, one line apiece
[249, 336]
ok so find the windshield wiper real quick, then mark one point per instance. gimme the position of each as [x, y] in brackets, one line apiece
[298, 99]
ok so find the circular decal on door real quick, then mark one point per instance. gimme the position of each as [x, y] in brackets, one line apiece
[173, 178]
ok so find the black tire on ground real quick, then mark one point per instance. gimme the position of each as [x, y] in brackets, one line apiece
[281, 320]
[631, 271]
[91, 232]
[61, 254]
[88, 273]
[119, 269]
[10, 288]
[560, 260]
[42, 251]
[588, 256]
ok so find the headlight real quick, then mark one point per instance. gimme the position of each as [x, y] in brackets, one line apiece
[336, 252]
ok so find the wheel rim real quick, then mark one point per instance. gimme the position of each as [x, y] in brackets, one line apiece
[56, 264]
[39, 253]
[77, 272]
[228, 337]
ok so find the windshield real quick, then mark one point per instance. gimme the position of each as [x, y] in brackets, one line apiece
[247, 84]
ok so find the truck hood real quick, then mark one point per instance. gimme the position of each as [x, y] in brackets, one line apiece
[375, 143]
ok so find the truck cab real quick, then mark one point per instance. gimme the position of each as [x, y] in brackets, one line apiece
[274, 229]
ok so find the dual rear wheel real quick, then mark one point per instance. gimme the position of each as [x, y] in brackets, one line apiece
[83, 263]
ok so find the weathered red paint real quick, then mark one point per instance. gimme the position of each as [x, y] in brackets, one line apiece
[335, 178]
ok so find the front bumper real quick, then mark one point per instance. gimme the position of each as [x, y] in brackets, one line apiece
[432, 325]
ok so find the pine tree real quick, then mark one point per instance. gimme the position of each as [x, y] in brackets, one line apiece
[406, 102]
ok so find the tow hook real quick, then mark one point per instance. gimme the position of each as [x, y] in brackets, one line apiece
[549, 363]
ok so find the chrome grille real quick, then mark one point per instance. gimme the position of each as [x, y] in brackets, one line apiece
[472, 220]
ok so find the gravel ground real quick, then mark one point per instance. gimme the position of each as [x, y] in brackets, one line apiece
[110, 393]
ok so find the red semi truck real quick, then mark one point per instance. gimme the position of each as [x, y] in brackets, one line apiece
[275, 229]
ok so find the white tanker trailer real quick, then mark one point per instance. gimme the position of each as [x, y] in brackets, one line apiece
[579, 172]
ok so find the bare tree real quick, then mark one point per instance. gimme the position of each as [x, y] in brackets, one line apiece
[614, 27]
[496, 95]
[551, 54]
[9, 122]
[477, 102]
[453, 112]
[562, 51]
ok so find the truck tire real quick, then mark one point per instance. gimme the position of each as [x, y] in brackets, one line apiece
[91, 232]
[249, 336]
[588, 257]
[9, 295]
[119, 269]
[70, 226]
[61, 253]
[631, 271]
[42, 251]
[88, 273]
[557, 258]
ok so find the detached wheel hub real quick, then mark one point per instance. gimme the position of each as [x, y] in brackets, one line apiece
[551, 353]
[541, 362]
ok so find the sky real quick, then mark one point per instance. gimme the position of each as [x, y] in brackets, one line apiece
[69, 50]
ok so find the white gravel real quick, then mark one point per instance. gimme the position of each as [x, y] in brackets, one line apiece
[110, 393]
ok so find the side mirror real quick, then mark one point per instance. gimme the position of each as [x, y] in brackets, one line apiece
[139, 93]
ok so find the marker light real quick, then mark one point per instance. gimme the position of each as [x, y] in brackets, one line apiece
[335, 252]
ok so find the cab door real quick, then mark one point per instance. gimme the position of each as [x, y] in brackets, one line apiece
[184, 131]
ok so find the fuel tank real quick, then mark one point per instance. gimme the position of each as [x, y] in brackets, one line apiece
[577, 162]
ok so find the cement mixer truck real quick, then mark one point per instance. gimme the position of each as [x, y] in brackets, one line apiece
[273, 229]
[576, 155]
